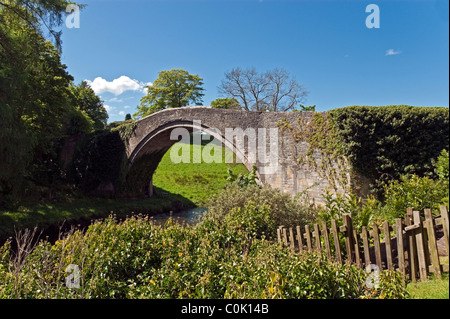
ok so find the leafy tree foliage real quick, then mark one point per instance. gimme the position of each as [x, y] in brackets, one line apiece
[42, 16]
[174, 88]
[226, 103]
[311, 108]
[84, 99]
[34, 96]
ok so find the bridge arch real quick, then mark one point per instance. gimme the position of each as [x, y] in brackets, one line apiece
[151, 140]
[160, 140]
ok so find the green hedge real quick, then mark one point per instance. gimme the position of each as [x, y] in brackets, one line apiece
[383, 143]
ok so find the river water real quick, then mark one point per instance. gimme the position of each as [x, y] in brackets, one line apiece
[189, 216]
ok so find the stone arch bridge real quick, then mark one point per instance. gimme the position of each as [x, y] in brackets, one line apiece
[254, 137]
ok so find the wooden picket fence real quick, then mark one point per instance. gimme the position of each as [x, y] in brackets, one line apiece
[413, 251]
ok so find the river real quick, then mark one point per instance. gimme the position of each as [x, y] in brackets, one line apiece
[190, 216]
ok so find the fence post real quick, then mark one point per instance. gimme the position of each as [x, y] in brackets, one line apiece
[420, 246]
[387, 245]
[292, 239]
[308, 237]
[326, 237]
[444, 215]
[279, 234]
[432, 244]
[356, 248]
[337, 246]
[365, 238]
[299, 238]
[400, 246]
[347, 220]
[376, 241]
[412, 254]
[317, 236]
[285, 238]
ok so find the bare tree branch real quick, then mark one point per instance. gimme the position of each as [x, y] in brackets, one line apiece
[273, 90]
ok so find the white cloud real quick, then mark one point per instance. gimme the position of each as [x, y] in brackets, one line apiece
[121, 113]
[116, 86]
[108, 108]
[144, 89]
[392, 52]
[115, 100]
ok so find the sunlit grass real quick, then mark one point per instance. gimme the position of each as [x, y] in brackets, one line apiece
[193, 178]
[431, 289]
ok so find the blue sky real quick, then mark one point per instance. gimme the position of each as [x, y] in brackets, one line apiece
[121, 45]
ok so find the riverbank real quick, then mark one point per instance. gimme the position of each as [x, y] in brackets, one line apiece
[52, 216]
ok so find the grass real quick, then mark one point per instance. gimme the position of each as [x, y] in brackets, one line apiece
[432, 289]
[194, 179]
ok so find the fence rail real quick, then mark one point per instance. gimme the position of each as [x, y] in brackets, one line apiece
[413, 251]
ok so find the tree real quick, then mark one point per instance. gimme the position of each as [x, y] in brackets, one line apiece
[174, 88]
[84, 99]
[226, 103]
[42, 16]
[274, 90]
[35, 103]
[311, 108]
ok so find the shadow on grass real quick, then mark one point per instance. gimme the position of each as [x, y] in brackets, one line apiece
[55, 217]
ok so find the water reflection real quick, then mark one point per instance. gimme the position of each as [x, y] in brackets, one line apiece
[189, 216]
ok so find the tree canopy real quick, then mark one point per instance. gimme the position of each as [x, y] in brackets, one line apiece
[84, 99]
[42, 16]
[39, 105]
[174, 88]
[226, 103]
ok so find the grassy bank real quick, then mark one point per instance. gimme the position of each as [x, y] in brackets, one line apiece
[193, 178]
[74, 210]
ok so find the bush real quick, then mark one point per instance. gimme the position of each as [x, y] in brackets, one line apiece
[441, 166]
[284, 209]
[441, 169]
[364, 212]
[416, 192]
[384, 143]
[219, 258]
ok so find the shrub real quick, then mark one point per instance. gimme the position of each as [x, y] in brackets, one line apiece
[441, 169]
[243, 180]
[218, 258]
[284, 209]
[415, 192]
[364, 212]
[441, 165]
[384, 143]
